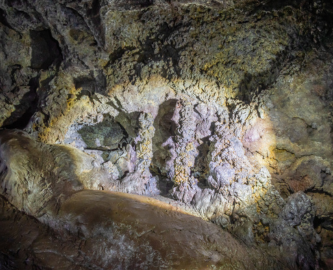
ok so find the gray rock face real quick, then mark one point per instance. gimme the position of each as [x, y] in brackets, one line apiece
[224, 107]
[295, 226]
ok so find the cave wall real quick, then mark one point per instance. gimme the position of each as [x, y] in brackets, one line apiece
[225, 106]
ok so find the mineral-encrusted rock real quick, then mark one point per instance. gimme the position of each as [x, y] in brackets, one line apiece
[53, 183]
[147, 184]
[225, 106]
[294, 228]
[185, 152]
[98, 229]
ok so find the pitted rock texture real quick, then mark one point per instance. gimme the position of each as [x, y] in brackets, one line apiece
[224, 107]
[102, 230]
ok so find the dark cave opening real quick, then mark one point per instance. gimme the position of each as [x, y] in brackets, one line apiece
[317, 222]
[323, 222]
[45, 50]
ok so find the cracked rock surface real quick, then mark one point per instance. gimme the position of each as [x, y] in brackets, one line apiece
[220, 108]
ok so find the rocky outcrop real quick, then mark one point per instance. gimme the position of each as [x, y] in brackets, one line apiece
[223, 107]
[99, 229]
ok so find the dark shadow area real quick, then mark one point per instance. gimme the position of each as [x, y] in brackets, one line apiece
[45, 50]
[146, 55]
[129, 121]
[118, 54]
[165, 128]
[20, 118]
[96, 23]
[253, 84]
[14, 224]
[3, 19]
[318, 222]
[87, 84]
[94, 83]
[201, 164]
[135, 4]
[321, 20]
[168, 51]
[324, 222]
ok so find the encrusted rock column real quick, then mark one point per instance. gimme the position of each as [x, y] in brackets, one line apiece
[185, 147]
[144, 148]
[141, 181]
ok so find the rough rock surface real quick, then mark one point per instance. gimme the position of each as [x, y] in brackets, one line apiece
[99, 229]
[223, 107]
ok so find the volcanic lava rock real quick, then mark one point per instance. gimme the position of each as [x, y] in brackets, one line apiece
[223, 107]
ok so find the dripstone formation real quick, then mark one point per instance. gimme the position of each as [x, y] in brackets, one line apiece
[218, 112]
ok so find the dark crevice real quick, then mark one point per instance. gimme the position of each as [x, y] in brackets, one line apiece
[141, 3]
[87, 84]
[118, 103]
[324, 222]
[317, 222]
[135, 4]
[91, 84]
[45, 50]
[96, 23]
[19, 120]
[201, 164]
[317, 191]
[3, 19]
